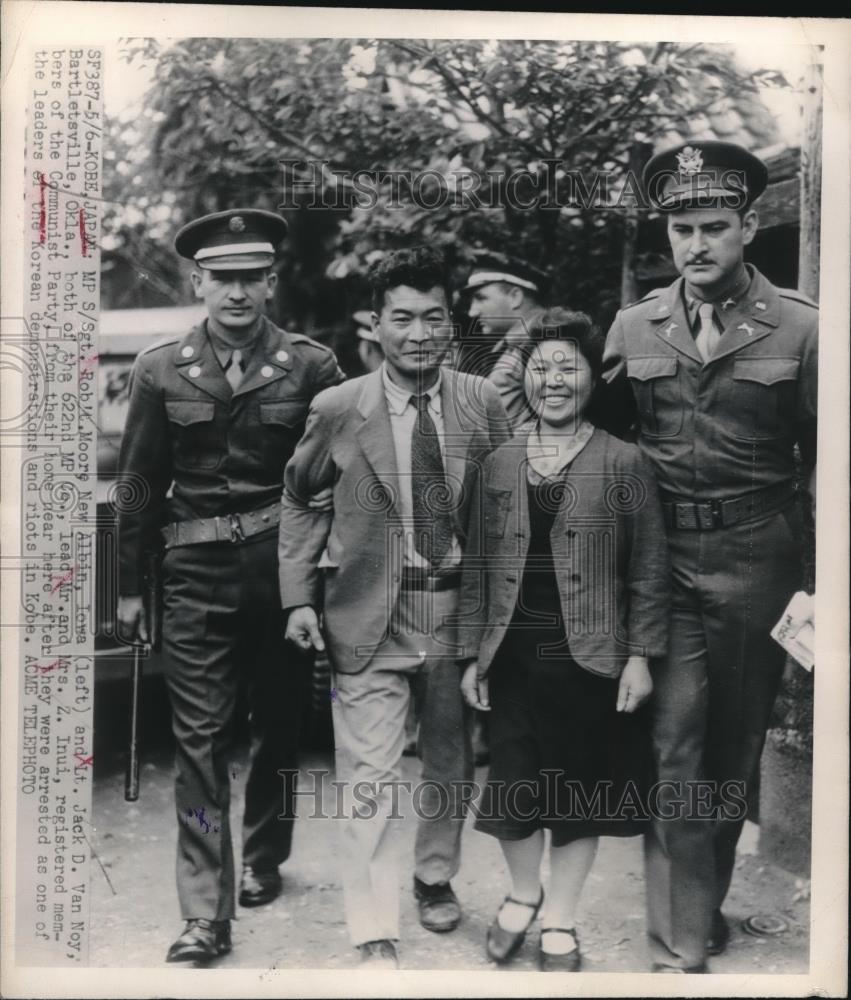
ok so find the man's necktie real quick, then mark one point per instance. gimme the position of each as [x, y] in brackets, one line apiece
[431, 501]
[708, 334]
[234, 370]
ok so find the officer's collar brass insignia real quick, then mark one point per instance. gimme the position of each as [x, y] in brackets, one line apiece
[690, 161]
[237, 224]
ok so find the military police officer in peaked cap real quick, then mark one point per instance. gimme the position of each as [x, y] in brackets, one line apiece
[722, 366]
[506, 294]
[212, 421]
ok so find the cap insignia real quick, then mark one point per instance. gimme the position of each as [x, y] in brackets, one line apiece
[237, 224]
[690, 160]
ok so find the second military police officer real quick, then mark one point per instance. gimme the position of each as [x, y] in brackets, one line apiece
[723, 367]
[212, 421]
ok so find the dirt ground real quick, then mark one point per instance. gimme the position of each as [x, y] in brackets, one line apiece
[135, 916]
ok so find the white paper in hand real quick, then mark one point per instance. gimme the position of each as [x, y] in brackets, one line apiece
[796, 630]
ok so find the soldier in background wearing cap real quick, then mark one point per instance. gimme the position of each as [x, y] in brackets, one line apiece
[369, 346]
[723, 368]
[505, 297]
[213, 419]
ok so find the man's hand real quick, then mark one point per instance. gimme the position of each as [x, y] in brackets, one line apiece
[800, 611]
[303, 629]
[131, 619]
[323, 500]
[475, 689]
[636, 684]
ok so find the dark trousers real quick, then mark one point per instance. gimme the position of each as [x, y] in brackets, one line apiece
[223, 631]
[712, 700]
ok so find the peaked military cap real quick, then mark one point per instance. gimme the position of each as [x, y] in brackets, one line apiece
[237, 240]
[698, 174]
[490, 266]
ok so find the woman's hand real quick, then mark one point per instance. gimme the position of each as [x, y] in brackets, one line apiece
[475, 689]
[636, 684]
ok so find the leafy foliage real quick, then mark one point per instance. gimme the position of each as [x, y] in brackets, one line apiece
[222, 114]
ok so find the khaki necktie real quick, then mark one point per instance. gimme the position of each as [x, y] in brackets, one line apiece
[234, 370]
[708, 335]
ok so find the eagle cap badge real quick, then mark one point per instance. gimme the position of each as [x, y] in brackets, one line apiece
[236, 224]
[690, 160]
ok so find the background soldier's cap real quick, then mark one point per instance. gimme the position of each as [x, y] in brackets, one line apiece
[490, 266]
[363, 318]
[699, 174]
[239, 240]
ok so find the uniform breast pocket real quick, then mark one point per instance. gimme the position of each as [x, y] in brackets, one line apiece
[289, 413]
[193, 427]
[658, 394]
[497, 505]
[763, 397]
[281, 425]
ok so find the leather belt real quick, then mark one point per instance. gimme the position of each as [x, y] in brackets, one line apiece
[226, 528]
[707, 515]
[414, 579]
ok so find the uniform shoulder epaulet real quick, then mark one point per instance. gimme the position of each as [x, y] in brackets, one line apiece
[653, 294]
[160, 344]
[301, 338]
[796, 296]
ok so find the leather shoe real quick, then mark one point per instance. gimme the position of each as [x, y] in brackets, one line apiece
[501, 945]
[201, 941]
[259, 887]
[549, 961]
[439, 908]
[380, 954]
[678, 969]
[719, 934]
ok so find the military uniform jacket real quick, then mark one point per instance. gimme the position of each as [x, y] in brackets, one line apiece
[727, 427]
[194, 448]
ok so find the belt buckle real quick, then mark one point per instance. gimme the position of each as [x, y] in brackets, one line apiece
[709, 515]
[684, 515]
[235, 525]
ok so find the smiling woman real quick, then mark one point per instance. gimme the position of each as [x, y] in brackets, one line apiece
[565, 679]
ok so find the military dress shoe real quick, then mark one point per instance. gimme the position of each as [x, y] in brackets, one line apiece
[502, 945]
[678, 969]
[439, 908]
[551, 961]
[719, 934]
[201, 941]
[259, 887]
[380, 954]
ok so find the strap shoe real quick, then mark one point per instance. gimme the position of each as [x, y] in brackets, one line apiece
[502, 945]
